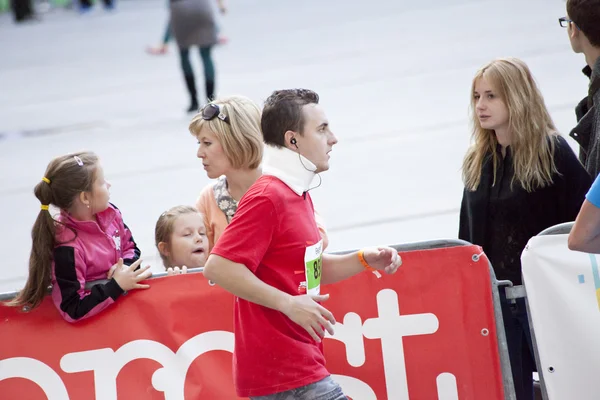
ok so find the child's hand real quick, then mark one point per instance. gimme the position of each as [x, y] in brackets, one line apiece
[128, 278]
[112, 269]
[176, 271]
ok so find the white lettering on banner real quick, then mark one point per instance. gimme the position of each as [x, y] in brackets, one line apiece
[106, 363]
[446, 387]
[37, 372]
[169, 379]
[391, 327]
[350, 333]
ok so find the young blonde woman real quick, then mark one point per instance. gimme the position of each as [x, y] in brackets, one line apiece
[230, 145]
[520, 177]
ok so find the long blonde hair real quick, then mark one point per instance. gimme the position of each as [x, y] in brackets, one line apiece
[529, 124]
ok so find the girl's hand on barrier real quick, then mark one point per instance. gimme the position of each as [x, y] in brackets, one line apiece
[112, 269]
[111, 272]
[383, 258]
[128, 278]
[306, 312]
[176, 271]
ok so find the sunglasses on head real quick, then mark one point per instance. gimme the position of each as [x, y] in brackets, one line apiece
[211, 111]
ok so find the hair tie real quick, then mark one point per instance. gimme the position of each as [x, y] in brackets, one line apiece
[44, 207]
[46, 180]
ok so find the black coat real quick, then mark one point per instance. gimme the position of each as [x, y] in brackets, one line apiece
[502, 218]
[587, 131]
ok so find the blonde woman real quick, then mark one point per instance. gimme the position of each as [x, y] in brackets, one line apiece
[230, 145]
[520, 177]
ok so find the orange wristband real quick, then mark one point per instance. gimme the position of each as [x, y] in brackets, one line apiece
[364, 263]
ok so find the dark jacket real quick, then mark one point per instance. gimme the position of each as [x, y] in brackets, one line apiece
[587, 131]
[502, 219]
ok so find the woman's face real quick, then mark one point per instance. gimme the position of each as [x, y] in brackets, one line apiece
[490, 109]
[211, 153]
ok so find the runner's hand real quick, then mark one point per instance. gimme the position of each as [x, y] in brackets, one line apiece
[314, 318]
[384, 259]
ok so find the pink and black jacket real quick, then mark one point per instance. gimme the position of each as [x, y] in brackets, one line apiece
[86, 255]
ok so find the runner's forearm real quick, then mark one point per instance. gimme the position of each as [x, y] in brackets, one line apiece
[239, 280]
[336, 268]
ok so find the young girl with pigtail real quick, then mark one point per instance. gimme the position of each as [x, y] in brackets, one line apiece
[86, 242]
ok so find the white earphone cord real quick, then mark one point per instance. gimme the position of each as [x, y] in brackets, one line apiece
[301, 162]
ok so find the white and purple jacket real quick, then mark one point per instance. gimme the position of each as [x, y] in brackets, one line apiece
[86, 255]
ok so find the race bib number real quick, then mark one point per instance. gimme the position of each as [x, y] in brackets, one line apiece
[313, 259]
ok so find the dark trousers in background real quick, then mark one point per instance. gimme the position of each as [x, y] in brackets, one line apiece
[190, 80]
[21, 9]
[520, 346]
[88, 3]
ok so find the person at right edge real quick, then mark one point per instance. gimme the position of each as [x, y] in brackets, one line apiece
[583, 27]
[271, 258]
[520, 178]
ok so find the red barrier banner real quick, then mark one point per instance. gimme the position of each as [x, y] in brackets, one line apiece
[427, 332]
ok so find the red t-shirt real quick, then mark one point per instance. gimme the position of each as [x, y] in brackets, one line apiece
[270, 233]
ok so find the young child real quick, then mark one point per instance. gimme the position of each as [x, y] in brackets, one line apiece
[87, 242]
[180, 238]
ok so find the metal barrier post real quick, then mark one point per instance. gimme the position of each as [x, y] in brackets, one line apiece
[507, 378]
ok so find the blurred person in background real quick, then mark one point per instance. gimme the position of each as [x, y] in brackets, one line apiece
[163, 48]
[86, 6]
[22, 10]
[164, 45]
[193, 24]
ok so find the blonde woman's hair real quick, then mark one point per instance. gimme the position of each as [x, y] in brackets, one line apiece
[241, 138]
[531, 128]
[164, 228]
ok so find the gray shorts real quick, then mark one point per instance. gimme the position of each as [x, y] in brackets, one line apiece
[325, 389]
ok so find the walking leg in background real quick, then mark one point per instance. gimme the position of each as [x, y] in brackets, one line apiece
[22, 10]
[85, 6]
[209, 72]
[109, 4]
[188, 76]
